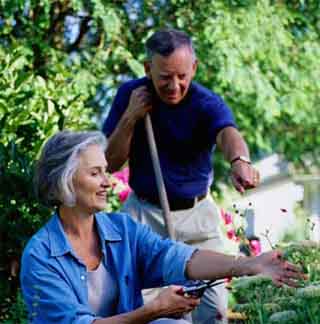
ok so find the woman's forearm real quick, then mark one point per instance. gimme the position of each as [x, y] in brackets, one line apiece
[205, 264]
[141, 315]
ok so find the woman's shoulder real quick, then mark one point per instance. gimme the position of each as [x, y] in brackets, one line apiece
[38, 244]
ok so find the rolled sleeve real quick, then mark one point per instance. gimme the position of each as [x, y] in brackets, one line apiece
[175, 263]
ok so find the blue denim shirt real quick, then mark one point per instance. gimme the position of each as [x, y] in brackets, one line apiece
[54, 279]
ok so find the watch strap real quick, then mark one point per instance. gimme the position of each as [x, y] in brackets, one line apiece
[241, 158]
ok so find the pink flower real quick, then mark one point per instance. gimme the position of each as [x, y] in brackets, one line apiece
[255, 247]
[231, 234]
[123, 195]
[122, 175]
[227, 217]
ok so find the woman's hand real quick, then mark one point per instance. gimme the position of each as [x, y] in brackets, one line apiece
[281, 272]
[171, 303]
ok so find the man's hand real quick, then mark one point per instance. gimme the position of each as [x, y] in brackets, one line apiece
[232, 145]
[244, 176]
[171, 303]
[140, 103]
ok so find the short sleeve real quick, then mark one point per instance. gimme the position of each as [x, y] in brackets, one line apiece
[217, 115]
[118, 107]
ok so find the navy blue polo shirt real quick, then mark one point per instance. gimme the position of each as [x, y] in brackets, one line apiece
[185, 136]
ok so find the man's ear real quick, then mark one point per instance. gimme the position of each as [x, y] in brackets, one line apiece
[147, 68]
[194, 67]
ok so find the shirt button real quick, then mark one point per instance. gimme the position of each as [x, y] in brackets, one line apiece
[82, 277]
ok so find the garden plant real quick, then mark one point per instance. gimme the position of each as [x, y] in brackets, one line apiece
[61, 62]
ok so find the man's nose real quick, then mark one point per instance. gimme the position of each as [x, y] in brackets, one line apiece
[174, 84]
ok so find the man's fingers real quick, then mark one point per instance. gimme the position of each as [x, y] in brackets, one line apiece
[237, 184]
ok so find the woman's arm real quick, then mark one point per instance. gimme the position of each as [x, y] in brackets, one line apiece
[205, 264]
[169, 303]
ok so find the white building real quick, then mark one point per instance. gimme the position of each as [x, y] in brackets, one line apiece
[274, 201]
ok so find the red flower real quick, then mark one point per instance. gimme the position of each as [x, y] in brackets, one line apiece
[231, 234]
[123, 195]
[122, 175]
[228, 279]
[255, 247]
[227, 217]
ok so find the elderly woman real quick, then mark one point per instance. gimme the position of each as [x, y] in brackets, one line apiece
[88, 266]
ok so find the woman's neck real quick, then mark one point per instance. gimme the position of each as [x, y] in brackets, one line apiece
[77, 224]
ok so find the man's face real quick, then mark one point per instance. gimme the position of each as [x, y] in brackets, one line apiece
[171, 75]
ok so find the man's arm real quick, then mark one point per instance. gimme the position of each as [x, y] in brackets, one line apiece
[232, 144]
[120, 140]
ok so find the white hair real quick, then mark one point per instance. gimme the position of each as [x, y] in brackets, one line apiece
[58, 163]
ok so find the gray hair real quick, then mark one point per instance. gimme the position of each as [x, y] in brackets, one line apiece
[57, 164]
[164, 42]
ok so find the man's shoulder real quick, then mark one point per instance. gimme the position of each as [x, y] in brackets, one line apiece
[130, 85]
[203, 94]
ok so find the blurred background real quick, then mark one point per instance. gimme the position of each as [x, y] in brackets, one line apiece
[61, 63]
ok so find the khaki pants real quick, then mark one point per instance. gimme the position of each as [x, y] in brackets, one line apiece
[199, 227]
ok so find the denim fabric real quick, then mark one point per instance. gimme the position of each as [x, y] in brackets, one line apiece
[200, 227]
[54, 279]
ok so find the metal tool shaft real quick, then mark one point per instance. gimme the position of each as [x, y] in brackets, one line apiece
[159, 178]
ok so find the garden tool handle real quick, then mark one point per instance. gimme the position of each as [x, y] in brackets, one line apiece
[159, 178]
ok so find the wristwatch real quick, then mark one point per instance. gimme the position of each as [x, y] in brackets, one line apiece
[241, 158]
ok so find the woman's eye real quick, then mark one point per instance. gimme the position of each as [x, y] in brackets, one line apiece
[94, 174]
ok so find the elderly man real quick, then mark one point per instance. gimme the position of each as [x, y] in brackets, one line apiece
[189, 121]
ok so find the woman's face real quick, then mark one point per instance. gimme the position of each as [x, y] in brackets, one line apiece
[90, 180]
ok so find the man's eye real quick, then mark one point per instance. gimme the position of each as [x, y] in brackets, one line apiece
[94, 174]
[182, 76]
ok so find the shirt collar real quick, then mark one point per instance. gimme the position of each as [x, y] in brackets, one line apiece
[59, 243]
[106, 228]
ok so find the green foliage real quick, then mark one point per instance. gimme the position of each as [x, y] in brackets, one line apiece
[16, 312]
[262, 302]
[261, 56]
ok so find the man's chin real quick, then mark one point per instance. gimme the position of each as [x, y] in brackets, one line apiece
[172, 100]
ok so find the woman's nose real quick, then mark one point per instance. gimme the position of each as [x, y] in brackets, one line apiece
[105, 181]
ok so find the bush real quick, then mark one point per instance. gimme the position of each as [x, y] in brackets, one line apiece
[262, 302]
[31, 109]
